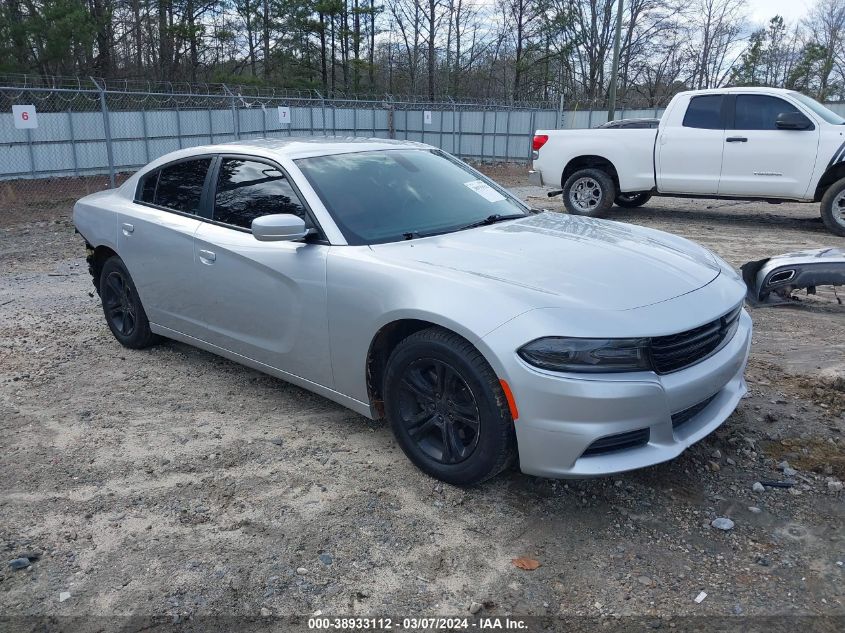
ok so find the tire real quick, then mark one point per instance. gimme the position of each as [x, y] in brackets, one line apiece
[632, 200]
[472, 411]
[122, 307]
[594, 188]
[833, 208]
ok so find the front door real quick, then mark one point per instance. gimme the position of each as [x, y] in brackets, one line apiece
[262, 300]
[761, 160]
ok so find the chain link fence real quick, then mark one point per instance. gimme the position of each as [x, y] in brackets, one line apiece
[98, 129]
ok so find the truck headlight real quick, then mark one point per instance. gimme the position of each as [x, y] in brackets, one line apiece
[592, 355]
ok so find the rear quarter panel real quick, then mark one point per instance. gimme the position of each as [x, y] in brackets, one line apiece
[631, 151]
[95, 217]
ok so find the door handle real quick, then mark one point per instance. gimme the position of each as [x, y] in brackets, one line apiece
[127, 228]
[207, 257]
[736, 139]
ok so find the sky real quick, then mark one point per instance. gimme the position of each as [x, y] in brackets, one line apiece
[761, 11]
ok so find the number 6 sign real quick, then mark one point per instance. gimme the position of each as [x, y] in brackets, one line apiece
[25, 116]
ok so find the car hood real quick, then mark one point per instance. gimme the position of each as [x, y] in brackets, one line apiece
[567, 260]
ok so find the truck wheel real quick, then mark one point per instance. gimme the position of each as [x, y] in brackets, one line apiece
[632, 200]
[833, 208]
[589, 192]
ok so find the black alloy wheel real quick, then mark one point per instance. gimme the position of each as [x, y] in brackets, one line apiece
[119, 303]
[447, 408]
[122, 307]
[439, 411]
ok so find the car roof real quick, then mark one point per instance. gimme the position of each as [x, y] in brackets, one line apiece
[739, 89]
[303, 146]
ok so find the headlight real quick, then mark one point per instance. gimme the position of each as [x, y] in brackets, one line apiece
[587, 354]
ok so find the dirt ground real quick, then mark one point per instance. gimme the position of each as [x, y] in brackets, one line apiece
[173, 483]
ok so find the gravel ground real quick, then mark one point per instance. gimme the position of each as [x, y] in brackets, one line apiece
[173, 483]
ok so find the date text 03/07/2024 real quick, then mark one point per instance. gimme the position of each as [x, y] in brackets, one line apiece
[415, 624]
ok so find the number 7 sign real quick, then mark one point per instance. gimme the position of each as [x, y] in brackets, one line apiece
[25, 116]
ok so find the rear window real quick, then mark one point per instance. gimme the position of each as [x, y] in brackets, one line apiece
[148, 188]
[704, 112]
[178, 186]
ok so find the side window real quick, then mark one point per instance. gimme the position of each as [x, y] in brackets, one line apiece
[248, 189]
[759, 112]
[180, 185]
[147, 191]
[704, 112]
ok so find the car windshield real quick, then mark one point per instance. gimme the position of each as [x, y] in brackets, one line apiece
[390, 195]
[828, 115]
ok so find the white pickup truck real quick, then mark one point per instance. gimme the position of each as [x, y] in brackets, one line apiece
[735, 143]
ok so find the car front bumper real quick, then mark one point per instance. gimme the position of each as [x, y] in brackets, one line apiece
[561, 415]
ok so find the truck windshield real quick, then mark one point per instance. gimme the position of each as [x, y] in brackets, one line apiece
[391, 195]
[828, 115]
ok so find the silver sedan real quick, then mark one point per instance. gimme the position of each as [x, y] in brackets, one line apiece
[396, 280]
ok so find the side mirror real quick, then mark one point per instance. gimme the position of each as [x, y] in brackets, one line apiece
[793, 121]
[279, 227]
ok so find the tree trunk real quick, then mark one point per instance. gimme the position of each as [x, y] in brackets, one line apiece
[323, 68]
[265, 24]
[432, 7]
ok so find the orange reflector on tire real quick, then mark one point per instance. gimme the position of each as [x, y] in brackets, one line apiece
[509, 397]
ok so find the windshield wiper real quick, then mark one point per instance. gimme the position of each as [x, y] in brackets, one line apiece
[491, 219]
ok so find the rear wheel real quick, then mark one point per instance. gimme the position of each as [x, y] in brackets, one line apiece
[833, 208]
[632, 200]
[447, 408]
[589, 192]
[122, 307]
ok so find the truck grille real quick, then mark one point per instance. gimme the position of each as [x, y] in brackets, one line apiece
[674, 352]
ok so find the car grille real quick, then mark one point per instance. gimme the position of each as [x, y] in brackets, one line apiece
[688, 414]
[674, 352]
[618, 442]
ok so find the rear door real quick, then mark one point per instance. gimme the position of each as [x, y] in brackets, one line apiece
[263, 300]
[155, 241]
[689, 155]
[761, 160]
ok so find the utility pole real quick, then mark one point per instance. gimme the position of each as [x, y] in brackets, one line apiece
[611, 104]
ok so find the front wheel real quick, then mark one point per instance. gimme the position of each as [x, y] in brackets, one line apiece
[447, 408]
[589, 192]
[632, 200]
[833, 208]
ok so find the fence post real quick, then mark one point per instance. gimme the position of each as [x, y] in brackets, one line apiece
[178, 126]
[531, 135]
[454, 118]
[460, 133]
[508, 136]
[484, 132]
[106, 131]
[391, 119]
[236, 123]
[559, 121]
[264, 119]
[146, 136]
[31, 152]
[72, 142]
